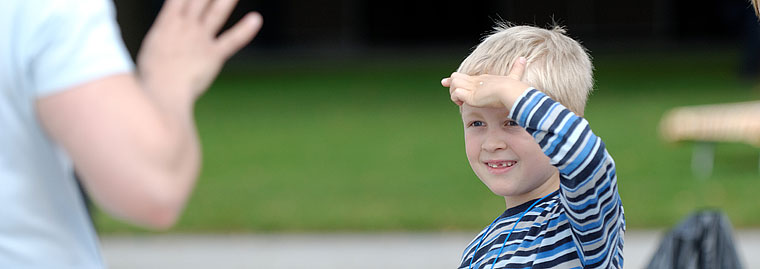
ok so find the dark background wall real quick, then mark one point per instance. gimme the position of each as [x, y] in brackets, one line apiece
[362, 25]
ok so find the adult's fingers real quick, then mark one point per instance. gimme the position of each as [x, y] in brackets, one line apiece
[170, 9]
[195, 8]
[218, 13]
[240, 34]
[518, 69]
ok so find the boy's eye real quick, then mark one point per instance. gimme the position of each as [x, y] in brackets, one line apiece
[477, 123]
[511, 123]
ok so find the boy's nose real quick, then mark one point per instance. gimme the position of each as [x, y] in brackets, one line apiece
[492, 144]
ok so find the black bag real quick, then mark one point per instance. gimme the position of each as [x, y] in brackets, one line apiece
[704, 240]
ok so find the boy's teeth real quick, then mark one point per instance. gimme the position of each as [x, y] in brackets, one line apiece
[501, 164]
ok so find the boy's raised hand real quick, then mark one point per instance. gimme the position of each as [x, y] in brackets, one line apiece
[487, 90]
[182, 54]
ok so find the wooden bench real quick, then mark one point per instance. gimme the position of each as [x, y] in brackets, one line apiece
[707, 125]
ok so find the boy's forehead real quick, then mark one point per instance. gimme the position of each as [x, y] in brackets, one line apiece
[470, 111]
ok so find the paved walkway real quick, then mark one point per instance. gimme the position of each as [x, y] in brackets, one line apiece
[315, 251]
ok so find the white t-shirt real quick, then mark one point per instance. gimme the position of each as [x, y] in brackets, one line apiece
[47, 46]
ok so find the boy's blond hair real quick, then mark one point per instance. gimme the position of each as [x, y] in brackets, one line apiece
[557, 65]
[756, 4]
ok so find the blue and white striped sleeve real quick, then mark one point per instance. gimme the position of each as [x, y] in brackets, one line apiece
[587, 174]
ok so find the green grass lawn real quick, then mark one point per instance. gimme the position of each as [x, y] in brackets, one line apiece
[376, 145]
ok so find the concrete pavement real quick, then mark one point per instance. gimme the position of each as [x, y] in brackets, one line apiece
[383, 250]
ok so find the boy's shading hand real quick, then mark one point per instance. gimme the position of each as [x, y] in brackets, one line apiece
[487, 90]
[182, 53]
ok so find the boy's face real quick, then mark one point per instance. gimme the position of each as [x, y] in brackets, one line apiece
[503, 154]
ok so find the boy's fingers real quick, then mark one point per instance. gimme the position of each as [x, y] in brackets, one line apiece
[461, 76]
[240, 34]
[456, 100]
[461, 80]
[218, 14]
[518, 68]
[461, 83]
[446, 82]
[459, 95]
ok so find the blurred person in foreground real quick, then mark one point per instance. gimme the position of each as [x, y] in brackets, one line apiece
[69, 97]
[532, 146]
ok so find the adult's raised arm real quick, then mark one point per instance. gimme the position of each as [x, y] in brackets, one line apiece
[132, 137]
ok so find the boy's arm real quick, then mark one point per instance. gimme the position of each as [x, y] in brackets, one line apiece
[588, 179]
[587, 175]
[133, 139]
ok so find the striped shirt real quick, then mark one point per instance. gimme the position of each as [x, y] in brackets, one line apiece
[579, 226]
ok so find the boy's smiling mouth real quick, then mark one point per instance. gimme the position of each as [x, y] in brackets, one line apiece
[500, 166]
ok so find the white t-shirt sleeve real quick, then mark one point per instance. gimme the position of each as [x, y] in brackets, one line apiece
[78, 42]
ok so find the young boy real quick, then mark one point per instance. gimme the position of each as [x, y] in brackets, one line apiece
[532, 146]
